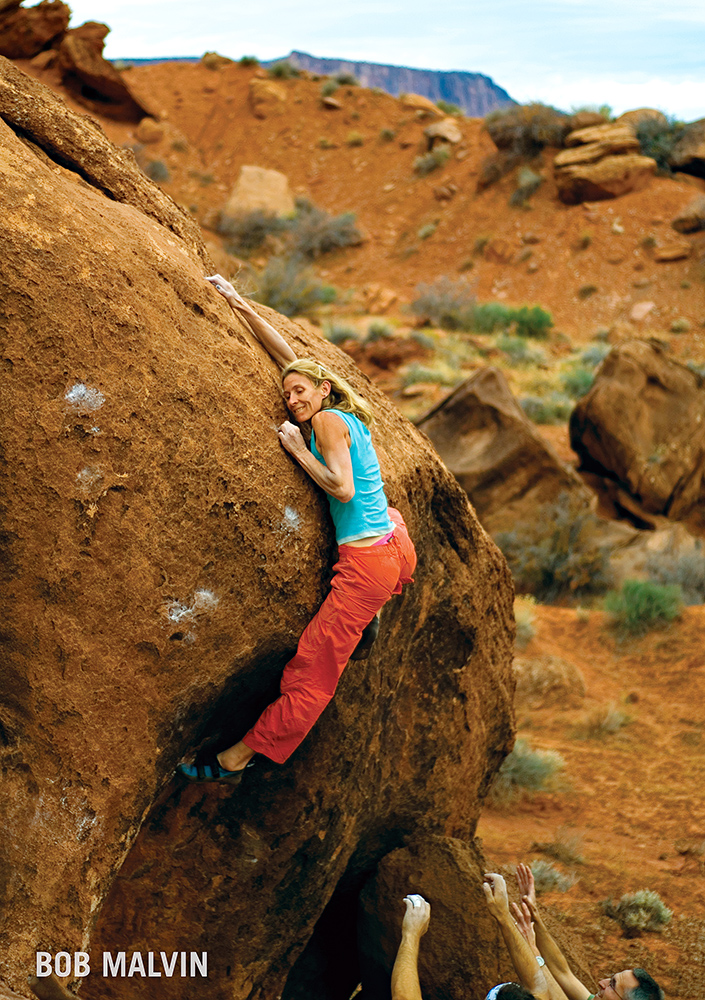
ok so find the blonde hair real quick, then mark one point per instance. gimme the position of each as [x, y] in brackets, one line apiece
[342, 395]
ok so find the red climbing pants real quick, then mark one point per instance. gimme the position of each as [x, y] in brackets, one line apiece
[364, 580]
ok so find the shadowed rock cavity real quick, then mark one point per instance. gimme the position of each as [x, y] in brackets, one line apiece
[163, 555]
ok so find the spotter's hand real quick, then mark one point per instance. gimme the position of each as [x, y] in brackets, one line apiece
[291, 438]
[417, 916]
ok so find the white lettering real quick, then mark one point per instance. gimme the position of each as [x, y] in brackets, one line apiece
[150, 965]
[169, 968]
[201, 963]
[43, 963]
[116, 968]
[183, 964]
[65, 968]
[136, 965]
[81, 966]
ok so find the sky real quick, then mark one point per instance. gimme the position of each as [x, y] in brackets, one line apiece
[569, 53]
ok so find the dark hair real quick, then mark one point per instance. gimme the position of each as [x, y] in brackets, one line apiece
[513, 991]
[648, 988]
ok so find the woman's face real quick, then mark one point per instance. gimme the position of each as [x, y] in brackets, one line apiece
[303, 398]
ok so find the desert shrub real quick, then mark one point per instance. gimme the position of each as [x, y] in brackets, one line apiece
[424, 165]
[554, 553]
[532, 322]
[325, 143]
[637, 912]
[448, 109]
[518, 351]
[386, 134]
[657, 140]
[417, 373]
[547, 878]
[491, 316]
[565, 848]
[158, 172]
[524, 618]
[523, 771]
[427, 230]
[446, 303]
[346, 79]
[601, 109]
[577, 382]
[595, 354]
[378, 330]
[528, 183]
[329, 87]
[642, 605]
[288, 286]
[247, 231]
[552, 409]
[283, 70]
[338, 333]
[680, 325]
[586, 291]
[686, 571]
[315, 232]
[605, 720]
[248, 61]
[355, 139]
[525, 129]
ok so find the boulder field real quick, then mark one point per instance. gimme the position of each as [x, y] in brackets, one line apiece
[161, 554]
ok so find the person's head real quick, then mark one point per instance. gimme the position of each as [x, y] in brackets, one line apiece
[309, 387]
[510, 991]
[630, 984]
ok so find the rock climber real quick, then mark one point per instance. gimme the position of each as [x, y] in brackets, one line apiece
[629, 984]
[375, 554]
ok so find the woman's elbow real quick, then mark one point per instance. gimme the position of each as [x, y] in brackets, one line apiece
[345, 494]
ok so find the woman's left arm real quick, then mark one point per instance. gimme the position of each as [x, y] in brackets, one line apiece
[333, 442]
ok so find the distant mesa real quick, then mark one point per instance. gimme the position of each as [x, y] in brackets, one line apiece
[477, 95]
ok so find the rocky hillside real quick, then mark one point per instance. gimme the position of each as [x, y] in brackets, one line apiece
[474, 93]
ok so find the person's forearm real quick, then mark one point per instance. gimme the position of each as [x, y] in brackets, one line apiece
[405, 976]
[272, 341]
[556, 963]
[527, 968]
[323, 477]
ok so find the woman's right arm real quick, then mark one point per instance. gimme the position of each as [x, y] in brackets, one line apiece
[272, 341]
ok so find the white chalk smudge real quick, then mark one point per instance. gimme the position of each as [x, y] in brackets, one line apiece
[291, 521]
[89, 478]
[84, 398]
[202, 602]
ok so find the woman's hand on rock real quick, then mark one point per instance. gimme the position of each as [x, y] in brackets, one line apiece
[291, 438]
[228, 292]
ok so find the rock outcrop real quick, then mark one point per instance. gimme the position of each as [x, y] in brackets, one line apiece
[25, 31]
[688, 155]
[643, 424]
[496, 453]
[266, 97]
[691, 219]
[161, 554]
[601, 161]
[259, 188]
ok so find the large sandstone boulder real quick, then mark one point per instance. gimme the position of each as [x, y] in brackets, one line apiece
[25, 31]
[610, 177]
[643, 424]
[496, 453]
[161, 555]
[92, 79]
[416, 102]
[638, 115]
[259, 188]
[688, 154]
[691, 218]
[266, 97]
[446, 130]
[614, 137]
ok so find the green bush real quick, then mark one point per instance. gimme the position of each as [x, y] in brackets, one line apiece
[595, 355]
[378, 330]
[491, 316]
[657, 139]
[346, 79]
[314, 232]
[565, 848]
[247, 231]
[427, 230]
[532, 322]
[283, 70]
[523, 771]
[329, 87]
[642, 605]
[577, 382]
[637, 912]
[158, 172]
[448, 109]
[424, 165]
[355, 139]
[586, 291]
[686, 571]
[288, 286]
[338, 333]
[554, 553]
[325, 143]
[386, 134]
[601, 722]
[528, 183]
[248, 61]
[417, 373]
[547, 878]
[554, 409]
[445, 303]
[518, 351]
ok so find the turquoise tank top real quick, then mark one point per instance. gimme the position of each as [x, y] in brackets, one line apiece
[366, 514]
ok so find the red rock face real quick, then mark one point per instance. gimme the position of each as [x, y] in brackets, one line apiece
[161, 555]
[643, 425]
[25, 31]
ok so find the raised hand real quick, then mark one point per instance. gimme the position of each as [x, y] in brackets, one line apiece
[495, 889]
[525, 881]
[417, 916]
[522, 918]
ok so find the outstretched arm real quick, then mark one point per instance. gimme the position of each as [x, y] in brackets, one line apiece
[522, 917]
[555, 959]
[527, 968]
[405, 974]
[272, 341]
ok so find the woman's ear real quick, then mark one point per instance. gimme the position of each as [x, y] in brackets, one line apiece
[325, 388]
